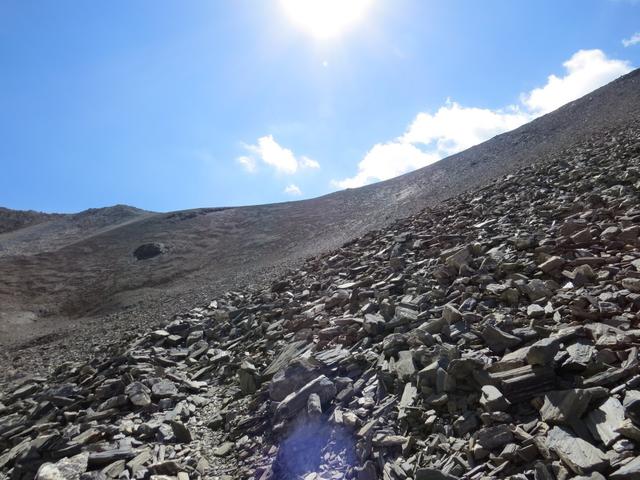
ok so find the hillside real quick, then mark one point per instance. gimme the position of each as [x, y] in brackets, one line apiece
[79, 270]
[11, 220]
[491, 335]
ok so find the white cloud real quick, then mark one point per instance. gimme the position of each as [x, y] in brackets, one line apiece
[271, 153]
[586, 70]
[307, 162]
[248, 163]
[387, 160]
[632, 40]
[431, 137]
[292, 189]
[280, 158]
[454, 128]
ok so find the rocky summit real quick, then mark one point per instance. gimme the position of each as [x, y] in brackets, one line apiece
[494, 335]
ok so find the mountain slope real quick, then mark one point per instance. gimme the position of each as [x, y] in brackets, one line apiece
[11, 220]
[494, 335]
[31, 233]
[211, 250]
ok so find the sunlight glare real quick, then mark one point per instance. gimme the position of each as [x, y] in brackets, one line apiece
[325, 18]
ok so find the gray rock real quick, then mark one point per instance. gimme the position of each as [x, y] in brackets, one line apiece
[552, 264]
[580, 456]
[248, 378]
[393, 343]
[564, 406]
[138, 394]
[581, 353]
[592, 476]
[582, 236]
[167, 467]
[493, 400]
[494, 437]
[181, 432]
[451, 314]
[115, 469]
[314, 406]
[632, 284]
[164, 388]
[367, 471]
[536, 290]
[629, 471]
[499, 340]
[465, 423]
[296, 401]
[299, 372]
[64, 469]
[458, 257]
[535, 311]
[543, 351]
[433, 474]
[106, 457]
[223, 449]
[409, 395]
[628, 429]
[404, 366]
[373, 324]
[604, 421]
[631, 405]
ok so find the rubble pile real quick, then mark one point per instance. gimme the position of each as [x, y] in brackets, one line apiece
[493, 336]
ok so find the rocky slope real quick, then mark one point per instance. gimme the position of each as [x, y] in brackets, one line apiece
[11, 220]
[32, 233]
[59, 275]
[493, 335]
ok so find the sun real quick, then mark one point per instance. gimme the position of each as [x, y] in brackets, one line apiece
[325, 19]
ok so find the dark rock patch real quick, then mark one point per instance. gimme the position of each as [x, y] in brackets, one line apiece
[149, 250]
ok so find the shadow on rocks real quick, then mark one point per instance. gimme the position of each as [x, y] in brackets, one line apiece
[313, 446]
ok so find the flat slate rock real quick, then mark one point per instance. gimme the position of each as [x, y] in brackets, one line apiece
[604, 421]
[582, 457]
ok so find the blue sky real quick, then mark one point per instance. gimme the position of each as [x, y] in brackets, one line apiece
[170, 105]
